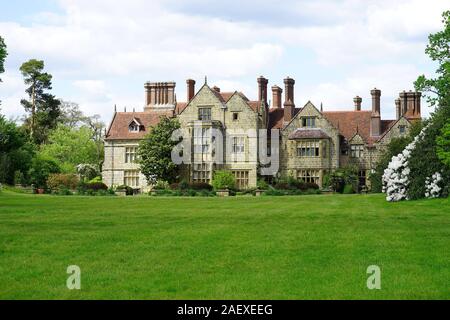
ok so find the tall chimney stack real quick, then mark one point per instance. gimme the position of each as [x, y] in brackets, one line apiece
[160, 96]
[418, 95]
[190, 89]
[289, 105]
[398, 108]
[276, 97]
[262, 89]
[375, 118]
[357, 100]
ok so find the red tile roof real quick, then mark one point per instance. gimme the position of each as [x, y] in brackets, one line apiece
[308, 133]
[119, 126]
[276, 117]
[349, 122]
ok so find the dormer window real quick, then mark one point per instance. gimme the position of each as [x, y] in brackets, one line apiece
[134, 126]
[309, 122]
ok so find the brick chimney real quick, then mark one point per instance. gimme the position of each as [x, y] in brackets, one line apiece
[160, 95]
[418, 96]
[357, 100]
[262, 89]
[375, 118]
[289, 105]
[216, 89]
[276, 97]
[403, 102]
[190, 89]
[398, 108]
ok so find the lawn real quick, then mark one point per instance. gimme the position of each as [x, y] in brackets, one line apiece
[304, 247]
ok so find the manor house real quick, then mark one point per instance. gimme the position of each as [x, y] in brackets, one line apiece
[312, 141]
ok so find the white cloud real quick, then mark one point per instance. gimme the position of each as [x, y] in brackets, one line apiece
[99, 49]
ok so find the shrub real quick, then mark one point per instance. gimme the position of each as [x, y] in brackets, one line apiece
[62, 181]
[174, 186]
[223, 179]
[348, 189]
[41, 168]
[200, 186]
[95, 186]
[129, 190]
[262, 184]
[64, 192]
[161, 185]
[311, 185]
[183, 185]
[19, 178]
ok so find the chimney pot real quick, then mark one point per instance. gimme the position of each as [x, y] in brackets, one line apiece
[276, 97]
[289, 105]
[262, 89]
[190, 89]
[357, 100]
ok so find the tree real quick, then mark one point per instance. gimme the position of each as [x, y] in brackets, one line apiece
[438, 49]
[40, 170]
[155, 152]
[44, 108]
[69, 147]
[16, 151]
[71, 115]
[97, 128]
[443, 144]
[3, 54]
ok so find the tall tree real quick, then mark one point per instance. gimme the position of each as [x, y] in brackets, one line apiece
[44, 108]
[3, 54]
[438, 49]
[71, 114]
[154, 154]
[69, 147]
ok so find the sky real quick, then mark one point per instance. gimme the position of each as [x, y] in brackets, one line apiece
[101, 53]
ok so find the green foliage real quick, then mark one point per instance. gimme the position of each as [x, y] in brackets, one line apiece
[343, 177]
[348, 189]
[161, 185]
[40, 170]
[443, 144]
[3, 54]
[223, 179]
[262, 184]
[43, 107]
[154, 153]
[87, 171]
[59, 181]
[16, 152]
[424, 160]
[128, 190]
[19, 178]
[70, 147]
[438, 49]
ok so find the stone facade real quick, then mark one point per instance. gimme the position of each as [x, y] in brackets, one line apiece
[313, 142]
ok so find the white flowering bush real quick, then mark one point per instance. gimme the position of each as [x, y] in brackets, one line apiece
[396, 175]
[432, 186]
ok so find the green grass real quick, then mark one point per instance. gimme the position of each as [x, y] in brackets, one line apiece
[307, 247]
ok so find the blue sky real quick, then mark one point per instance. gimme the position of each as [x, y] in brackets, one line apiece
[101, 52]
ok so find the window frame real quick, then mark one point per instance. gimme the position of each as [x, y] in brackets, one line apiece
[202, 116]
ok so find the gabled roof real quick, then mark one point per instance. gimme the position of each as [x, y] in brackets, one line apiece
[119, 126]
[351, 122]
